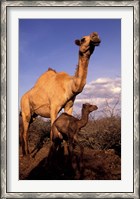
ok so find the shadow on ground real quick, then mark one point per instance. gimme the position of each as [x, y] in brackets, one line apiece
[99, 158]
[78, 165]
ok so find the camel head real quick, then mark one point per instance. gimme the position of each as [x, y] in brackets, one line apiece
[88, 43]
[89, 108]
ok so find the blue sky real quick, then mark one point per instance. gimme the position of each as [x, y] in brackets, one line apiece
[47, 43]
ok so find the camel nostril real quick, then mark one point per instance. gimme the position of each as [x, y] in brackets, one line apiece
[95, 107]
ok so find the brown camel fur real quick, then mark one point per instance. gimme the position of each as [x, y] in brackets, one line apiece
[56, 90]
[66, 126]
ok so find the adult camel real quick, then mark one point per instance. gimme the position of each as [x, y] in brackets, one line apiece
[56, 90]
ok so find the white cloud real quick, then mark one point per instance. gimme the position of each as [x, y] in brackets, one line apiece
[100, 92]
[116, 90]
[102, 80]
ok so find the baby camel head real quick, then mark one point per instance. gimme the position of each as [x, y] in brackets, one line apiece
[88, 43]
[89, 108]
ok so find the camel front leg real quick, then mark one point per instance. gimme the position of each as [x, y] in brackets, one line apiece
[68, 110]
[53, 118]
[69, 106]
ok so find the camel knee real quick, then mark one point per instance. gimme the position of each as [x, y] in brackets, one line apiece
[56, 134]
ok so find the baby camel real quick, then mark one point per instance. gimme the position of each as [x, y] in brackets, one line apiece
[66, 126]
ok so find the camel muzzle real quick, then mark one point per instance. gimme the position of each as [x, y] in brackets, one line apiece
[96, 41]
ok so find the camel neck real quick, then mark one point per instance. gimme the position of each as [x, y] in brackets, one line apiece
[84, 119]
[81, 72]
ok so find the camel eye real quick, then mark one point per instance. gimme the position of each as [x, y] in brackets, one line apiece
[82, 40]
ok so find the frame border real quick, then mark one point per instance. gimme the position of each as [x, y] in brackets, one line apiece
[3, 48]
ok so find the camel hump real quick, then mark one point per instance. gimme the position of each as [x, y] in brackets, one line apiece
[51, 69]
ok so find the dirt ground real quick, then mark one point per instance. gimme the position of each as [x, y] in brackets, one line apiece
[81, 164]
[93, 165]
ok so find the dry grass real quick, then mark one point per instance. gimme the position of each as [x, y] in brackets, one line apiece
[97, 154]
[102, 134]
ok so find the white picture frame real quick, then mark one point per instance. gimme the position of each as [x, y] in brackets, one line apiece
[6, 72]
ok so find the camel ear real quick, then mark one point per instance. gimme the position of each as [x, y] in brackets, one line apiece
[84, 105]
[77, 42]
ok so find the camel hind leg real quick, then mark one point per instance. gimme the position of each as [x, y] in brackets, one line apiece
[26, 119]
[25, 148]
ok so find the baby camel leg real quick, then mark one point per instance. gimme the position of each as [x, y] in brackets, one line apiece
[65, 144]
